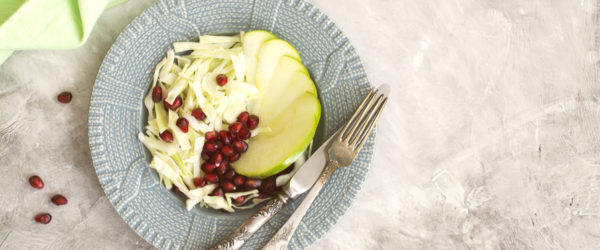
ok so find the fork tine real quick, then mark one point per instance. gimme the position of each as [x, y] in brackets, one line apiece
[366, 132]
[364, 123]
[360, 109]
[360, 114]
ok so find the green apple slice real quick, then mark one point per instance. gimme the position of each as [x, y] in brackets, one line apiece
[291, 132]
[252, 42]
[268, 58]
[289, 81]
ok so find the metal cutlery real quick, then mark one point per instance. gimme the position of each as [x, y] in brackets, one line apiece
[339, 151]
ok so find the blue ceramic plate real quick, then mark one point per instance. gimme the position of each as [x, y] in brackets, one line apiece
[117, 114]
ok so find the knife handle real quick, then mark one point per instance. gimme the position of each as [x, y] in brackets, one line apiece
[241, 234]
[280, 240]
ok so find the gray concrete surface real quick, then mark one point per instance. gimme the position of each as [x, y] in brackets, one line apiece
[490, 140]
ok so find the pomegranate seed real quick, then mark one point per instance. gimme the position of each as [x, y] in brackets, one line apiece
[252, 122]
[222, 169]
[211, 178]
[198, 114]
[238, 180]
[229, 174]
[36, 182]
[252, 183]
[244, 134]
[243, 117]
[217, 158]
[182, 123]
[199, 182]
[221, 79]
[218, 192]
[175, 105]
[262, 196]
[235, 127]
[210, 146]
[157, 94]
[65, 97]
[268, 186]
[286, 170]
[208, 167]
[210, 135]
[205, 156]
[59, 200]
[227, 150]
[234, 157]
[43, 218]
[240, 146]
[166, 136]
[224, 137]
[227, 186]
[239, 199]
[175, 189]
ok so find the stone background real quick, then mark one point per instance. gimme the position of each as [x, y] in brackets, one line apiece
[490, 139]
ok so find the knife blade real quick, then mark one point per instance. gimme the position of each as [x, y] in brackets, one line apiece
[309, 172]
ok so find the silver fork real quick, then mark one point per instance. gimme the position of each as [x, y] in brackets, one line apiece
[342, 151]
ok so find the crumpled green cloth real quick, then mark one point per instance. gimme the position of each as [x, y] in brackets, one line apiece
[47, 24]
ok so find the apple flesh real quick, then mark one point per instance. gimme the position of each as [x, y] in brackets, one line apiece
[291, 133]
[268, 58]
[251, 45]
[289, 81]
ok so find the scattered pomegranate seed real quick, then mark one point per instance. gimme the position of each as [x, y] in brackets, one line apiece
[252, 122]
[198, 114]
[157, 94]
[240, 146]
[227, 186]
[234, 157]
[238, 180]
[218, 192]
[243, 117]
[268, 186]
[65, 97]
[227, 150]
[43, 218]
[175, 105]
[166, 104]
[211, 178]
[182, 123]
[229, 174]
[244, 134]
[210, 135]
[262, 196]
[199, 182]
[224, 137]
[252, 183]
[208, 167]
[205, 156]
[59, 200]
[36, 182]
[235, 127]
[217, 158]
[239, 199]
[210, 146]
[166, 136]
[221, 79]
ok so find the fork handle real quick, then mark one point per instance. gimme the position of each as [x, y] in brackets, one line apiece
[280, 240]
[241, 234]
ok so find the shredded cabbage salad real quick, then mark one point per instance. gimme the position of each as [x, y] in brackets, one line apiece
[189, 72]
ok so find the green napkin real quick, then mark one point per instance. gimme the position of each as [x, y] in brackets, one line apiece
[47, 24]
